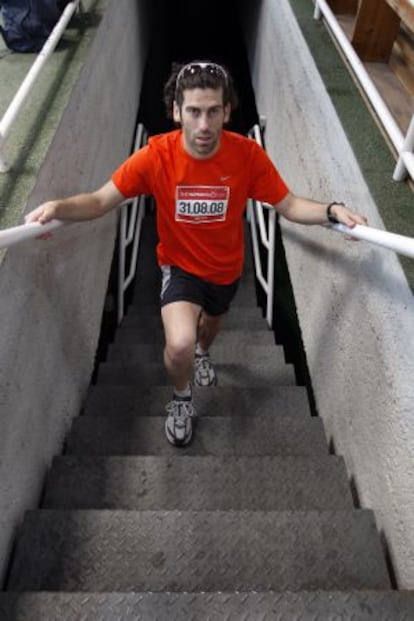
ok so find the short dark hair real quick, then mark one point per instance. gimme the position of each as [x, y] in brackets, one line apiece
[198, 74]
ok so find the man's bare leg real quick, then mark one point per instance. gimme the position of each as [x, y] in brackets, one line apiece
[180, 321]
[208, 328]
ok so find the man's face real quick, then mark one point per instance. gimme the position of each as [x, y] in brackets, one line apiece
[202, 116]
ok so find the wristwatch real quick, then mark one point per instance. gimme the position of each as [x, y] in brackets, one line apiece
[329, 215]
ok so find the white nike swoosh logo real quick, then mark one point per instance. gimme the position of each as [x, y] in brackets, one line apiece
[225, 178]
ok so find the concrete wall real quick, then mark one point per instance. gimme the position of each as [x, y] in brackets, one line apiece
[355, 308]
[52, 292]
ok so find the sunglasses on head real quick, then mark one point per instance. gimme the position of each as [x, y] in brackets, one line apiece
[198, 68]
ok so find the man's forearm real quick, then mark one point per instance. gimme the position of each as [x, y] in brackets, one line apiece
[76, 208]
[306, 211]
[79, 207]
[302, 210]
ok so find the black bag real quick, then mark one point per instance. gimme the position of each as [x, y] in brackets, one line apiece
[28, 23]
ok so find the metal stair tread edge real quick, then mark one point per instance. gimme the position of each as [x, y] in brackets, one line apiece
[193, 551]
[198, 483]
[270, 606]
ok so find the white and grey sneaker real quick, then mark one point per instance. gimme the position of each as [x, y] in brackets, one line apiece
[178, 426]
[204, 373]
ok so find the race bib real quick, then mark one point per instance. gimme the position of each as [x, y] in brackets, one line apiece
[198, 204]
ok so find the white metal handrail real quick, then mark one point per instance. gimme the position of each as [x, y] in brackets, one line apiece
[130, 225]
[17, 234]
[399, 243]
[26, 86]
[263, 235]
[267, 239]
[403, 145]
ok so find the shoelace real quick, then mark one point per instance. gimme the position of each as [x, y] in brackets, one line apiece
[202, 361]
[179, 409]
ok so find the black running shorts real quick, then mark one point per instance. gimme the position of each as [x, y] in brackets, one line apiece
[180, 286]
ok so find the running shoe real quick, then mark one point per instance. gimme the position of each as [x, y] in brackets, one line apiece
[204, 373]
[178, 426]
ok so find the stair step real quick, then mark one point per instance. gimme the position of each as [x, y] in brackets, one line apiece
[198, 551]
[270, 606]
[231, 435]
[251, 355]
[308, 606]
[228, 336]
[228, 374]
[254, 506]
[198, 483]
[130, 400]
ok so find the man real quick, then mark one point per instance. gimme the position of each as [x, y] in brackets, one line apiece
[201, 177]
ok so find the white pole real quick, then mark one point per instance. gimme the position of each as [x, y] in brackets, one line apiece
[255, 243]
[271, 268]
[27, 84]
[392, 241]
[17, 234]
[121, 261]
[408, 159]
[405, 161]
[317, 11]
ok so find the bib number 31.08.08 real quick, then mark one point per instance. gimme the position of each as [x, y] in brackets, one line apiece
[201, 204]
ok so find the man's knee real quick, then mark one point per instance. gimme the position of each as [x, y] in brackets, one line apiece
[180, 348]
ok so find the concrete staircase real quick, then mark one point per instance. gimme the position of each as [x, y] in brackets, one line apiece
[253, 520]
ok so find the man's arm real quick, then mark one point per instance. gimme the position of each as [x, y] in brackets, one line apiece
[79, 207]
[306, 211]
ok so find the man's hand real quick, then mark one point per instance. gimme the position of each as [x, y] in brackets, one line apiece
[346, 216]
[42, 214]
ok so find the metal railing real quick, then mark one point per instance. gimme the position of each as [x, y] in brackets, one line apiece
[263, 235]
[403, 145]
[130, 226]
[26, 86]
[399, 243]
[16, 234]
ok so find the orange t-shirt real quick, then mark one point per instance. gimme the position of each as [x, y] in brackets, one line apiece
[200, 202]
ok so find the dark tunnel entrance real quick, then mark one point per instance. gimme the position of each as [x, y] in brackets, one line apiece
[184, 30]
